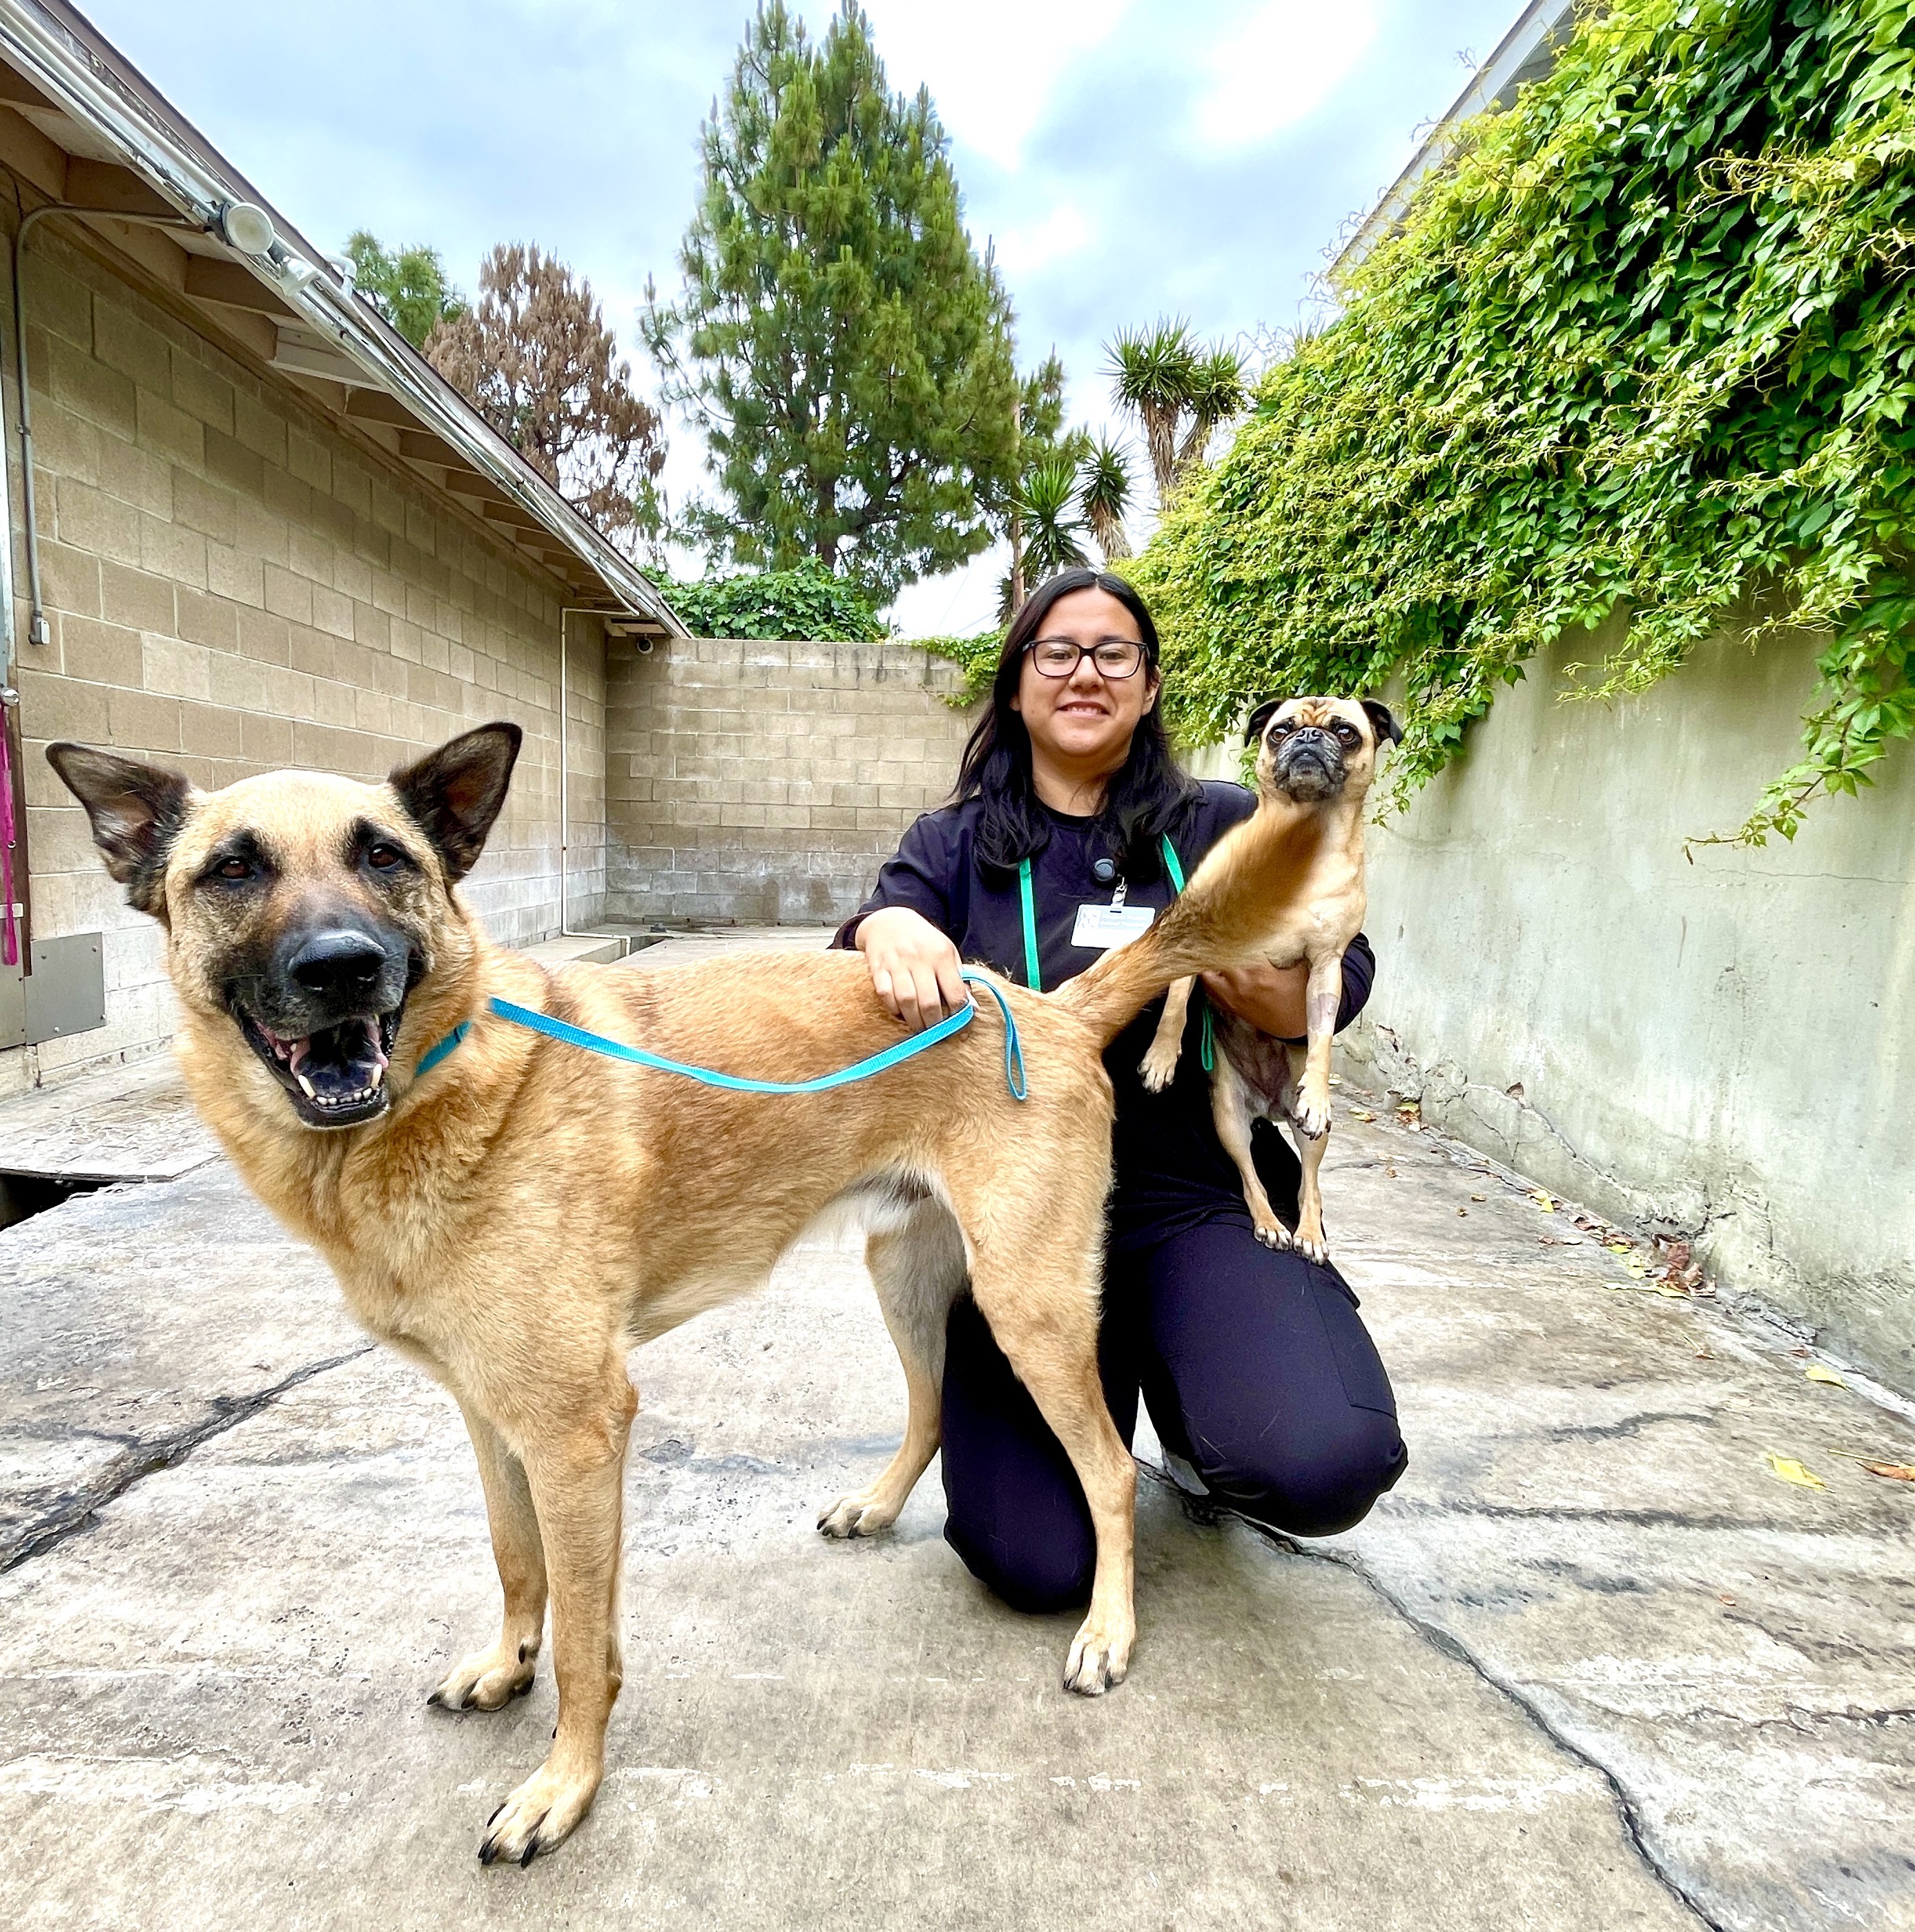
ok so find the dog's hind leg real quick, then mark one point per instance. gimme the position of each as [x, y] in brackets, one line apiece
[1050, 1333]
[1230, 1112]
[488, 1678]
[577, 1482]
[1159, 1064]
[917, 1263]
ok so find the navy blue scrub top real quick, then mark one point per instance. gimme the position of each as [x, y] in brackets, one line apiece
[1171, 1171]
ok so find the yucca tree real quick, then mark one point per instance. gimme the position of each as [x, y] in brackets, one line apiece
[1104, 490]
[1217, 393]
[1179, 389]
[1053, 532]
[1153, 374]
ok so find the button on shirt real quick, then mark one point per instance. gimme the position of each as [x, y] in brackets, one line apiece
[1170, 1172]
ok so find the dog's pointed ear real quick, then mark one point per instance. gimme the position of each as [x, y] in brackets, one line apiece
[1253, 728]
[454, 794]
[136, 811]
[1383, 721]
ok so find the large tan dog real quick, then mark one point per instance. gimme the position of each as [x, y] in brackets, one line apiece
[518, 1216]
[1318, 754]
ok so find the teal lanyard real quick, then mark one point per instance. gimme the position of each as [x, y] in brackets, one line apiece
[1034, 980]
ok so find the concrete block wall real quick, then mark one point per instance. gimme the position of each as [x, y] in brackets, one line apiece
[234, 585]
[763, 783]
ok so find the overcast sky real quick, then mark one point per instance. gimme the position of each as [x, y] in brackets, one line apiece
[1129, 157]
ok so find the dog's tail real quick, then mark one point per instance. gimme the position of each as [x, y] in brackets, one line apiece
[1247, 879]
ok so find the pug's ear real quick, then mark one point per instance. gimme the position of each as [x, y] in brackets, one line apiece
[136, 811]
[454, 794]
[1253, 728]
[1383, 721]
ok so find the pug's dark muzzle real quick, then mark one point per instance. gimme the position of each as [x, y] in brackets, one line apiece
[322, 1014]
[1309, 764]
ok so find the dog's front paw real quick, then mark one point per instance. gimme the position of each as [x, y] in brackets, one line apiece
[542, 1813]
[1273, 1234]
[1100, 1658]
[1311, 1115]
[1317, 1251]
[488, 1679]
[860, 1515]
[1159, 1066]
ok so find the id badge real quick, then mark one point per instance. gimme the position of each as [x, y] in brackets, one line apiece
[1099, 928]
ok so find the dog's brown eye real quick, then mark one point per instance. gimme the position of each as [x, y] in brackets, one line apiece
[234, 868]
[382, 858]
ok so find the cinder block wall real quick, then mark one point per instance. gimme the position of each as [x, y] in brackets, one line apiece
[762, 784]
[232, 586]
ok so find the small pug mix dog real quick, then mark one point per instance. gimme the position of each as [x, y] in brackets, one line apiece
[1319, 754]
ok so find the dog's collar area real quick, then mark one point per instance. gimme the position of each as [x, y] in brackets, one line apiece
[863, 1069]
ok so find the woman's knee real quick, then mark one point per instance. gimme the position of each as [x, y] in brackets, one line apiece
[1037, 1574]
[1315, 1487]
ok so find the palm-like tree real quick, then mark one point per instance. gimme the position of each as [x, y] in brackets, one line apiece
[1179, 389]
[1053, 532]
[1153, 373]
[1105, 493]
[1218, 392]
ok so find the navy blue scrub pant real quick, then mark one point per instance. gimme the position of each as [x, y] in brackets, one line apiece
[1258, 1371]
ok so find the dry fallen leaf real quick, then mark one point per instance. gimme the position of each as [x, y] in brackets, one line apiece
[1462, 1210]
[1480, 1197]
[1815, 1372]
[1361, 1113]
[1790, 1471]
[1542, 1201]
[1895, 1472]
[1723, 1596]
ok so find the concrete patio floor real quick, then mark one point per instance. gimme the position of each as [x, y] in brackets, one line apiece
[1594, 1663]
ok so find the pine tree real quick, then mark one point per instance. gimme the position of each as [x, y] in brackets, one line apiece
[407, 286]
[536, 360]
[844, 349]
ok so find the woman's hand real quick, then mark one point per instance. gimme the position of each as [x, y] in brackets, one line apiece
[1270, 997]
[914, 966]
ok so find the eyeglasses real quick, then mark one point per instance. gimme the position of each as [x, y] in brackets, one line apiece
[1059, 657]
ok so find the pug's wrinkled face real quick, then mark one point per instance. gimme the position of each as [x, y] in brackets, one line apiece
[1311, 749]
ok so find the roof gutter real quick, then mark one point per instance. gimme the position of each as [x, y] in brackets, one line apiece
[87, 86]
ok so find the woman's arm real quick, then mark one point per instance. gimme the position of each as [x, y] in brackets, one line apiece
[914, 966]
[1271, 997]
[902, 929]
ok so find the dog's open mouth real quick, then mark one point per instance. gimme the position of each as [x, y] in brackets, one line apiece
[335, 1078]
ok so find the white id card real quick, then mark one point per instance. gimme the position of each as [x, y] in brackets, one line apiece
[1101, 927]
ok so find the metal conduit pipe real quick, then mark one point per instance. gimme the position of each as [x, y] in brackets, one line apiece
[37, 631]
[565, 776]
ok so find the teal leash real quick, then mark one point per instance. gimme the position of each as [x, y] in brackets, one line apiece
[564, 1031]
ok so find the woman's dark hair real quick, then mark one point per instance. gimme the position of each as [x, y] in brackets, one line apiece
[1145, 797]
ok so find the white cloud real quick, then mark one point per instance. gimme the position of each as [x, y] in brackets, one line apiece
[991, 65]
[1283, 60]
[1062, 232]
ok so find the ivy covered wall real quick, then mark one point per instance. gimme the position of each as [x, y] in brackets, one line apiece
[1647, 345]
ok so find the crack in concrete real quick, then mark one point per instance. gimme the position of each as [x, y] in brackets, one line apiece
[1206, 1510]
[164, 1452]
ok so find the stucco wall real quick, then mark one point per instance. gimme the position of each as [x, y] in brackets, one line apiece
[1723, 1046]
[233, 585]
[763, 783]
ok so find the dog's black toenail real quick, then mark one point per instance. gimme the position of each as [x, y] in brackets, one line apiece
[525, 1691]
[436, 1700]
[522, 1653]
[494, 1818]
[531, 1852]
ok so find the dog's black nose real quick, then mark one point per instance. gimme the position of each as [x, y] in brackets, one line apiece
[342, 964]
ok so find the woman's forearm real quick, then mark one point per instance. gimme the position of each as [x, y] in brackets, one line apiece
[1270, 997]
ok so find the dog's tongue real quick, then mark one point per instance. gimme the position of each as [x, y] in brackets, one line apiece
[344, 1064]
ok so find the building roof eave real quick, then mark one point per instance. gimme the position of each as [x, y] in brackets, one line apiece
[62, 56]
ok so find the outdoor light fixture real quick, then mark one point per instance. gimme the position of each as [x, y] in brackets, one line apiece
[246, 226]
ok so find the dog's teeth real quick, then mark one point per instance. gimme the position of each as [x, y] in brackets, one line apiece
[307, 1087]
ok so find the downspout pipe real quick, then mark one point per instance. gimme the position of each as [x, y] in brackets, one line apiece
[565, 931]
